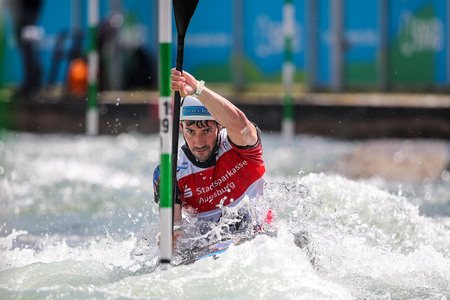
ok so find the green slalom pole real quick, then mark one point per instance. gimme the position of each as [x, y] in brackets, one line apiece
[288, 128]
[165, 129]
[93, 62]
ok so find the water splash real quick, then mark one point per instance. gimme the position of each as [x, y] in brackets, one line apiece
[63, 234]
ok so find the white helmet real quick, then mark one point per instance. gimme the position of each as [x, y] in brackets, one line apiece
[193, 109]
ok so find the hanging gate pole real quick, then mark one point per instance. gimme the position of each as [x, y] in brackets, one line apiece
[93, 62]
[287, 128]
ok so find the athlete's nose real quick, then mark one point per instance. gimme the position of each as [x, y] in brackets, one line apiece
[199, 141]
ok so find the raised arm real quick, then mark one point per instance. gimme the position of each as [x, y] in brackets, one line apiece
[240, 130]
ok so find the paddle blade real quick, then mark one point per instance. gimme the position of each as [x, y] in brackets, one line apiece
[183, 11]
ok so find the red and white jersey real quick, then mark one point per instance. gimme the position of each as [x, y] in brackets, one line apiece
[236, 173]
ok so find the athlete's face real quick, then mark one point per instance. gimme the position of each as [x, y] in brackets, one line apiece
[201, 137]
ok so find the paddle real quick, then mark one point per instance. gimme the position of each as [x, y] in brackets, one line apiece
[183, 10]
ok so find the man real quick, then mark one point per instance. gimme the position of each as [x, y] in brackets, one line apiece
[221, 162]
[25, 14]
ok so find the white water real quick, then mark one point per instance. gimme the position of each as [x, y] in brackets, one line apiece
[73, 206]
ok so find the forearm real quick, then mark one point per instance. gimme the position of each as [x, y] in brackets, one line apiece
[240, 130]
[177, 216]
[223, 111]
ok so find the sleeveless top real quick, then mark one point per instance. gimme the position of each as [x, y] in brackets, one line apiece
[237, 172]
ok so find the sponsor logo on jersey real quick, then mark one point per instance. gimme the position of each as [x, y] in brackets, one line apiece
[187, 193]
[183, 166]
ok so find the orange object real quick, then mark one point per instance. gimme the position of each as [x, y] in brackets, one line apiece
[77, 77]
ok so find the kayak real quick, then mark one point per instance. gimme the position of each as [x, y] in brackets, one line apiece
[217, 248]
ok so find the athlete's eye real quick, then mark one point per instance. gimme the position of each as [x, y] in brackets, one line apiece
[189, 131]
[207, 131]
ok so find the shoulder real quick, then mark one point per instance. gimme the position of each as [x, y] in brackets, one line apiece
[255, 145]
[252, 152]
[247, 135]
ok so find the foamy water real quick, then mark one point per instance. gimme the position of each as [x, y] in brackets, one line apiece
[73, 208]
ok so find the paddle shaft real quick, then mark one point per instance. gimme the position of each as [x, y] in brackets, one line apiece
[176, 120]
[183, 10]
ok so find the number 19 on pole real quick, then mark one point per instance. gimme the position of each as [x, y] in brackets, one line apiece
[165, 117]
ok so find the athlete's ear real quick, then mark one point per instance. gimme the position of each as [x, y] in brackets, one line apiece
[181, 126]
[219, 126]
